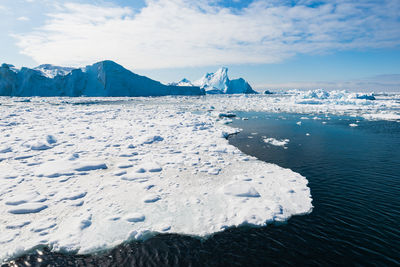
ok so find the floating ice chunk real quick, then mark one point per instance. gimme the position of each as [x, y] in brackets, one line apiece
[214, 171]
[28, 208]
[125, 165]
[240, 189]
[137, 177]
[43, 225]
[22, 198]
[276, 142]
[39, 146]
[135, 217]
[53, 169]
[148, 167]
[90, 166]
[150, 139]
[151, 198]
[164, 227]
[85, 223]
[298, 123]
[227, 115]
[51, 139]
[366, 96]
[74, 195]
[353, 125]
[17, 225]
[5, 149]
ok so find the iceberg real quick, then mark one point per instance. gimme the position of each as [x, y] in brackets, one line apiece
[183, 82]
[105, 78]
[219, 83]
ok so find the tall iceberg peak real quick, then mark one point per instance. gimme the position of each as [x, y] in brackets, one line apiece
[219, 83]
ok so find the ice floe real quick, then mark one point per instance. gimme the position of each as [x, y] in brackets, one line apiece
[83, 174]
[276, 142]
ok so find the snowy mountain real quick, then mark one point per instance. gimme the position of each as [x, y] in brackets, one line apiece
[105, 78]
[219, 83]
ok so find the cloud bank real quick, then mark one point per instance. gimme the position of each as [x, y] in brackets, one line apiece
[182, 33]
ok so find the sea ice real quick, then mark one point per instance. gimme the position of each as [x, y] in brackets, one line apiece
[27, 208]
[276, 142]
[156, 164]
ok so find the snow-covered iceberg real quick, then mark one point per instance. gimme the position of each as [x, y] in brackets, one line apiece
[105, 78]
[219, 83]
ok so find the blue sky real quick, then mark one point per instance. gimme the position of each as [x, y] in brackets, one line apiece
[338, 44]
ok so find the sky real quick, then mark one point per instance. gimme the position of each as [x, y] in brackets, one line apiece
[285, 44]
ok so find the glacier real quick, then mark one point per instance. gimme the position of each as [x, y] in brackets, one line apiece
[105, 78]
[219, 83]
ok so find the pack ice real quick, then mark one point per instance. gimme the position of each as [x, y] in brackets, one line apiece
[82, 175]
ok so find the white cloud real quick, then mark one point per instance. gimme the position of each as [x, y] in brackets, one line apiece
[180, 33]
[23, 18]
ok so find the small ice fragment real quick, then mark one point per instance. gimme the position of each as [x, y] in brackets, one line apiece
[276, 142]
[28, 208]
[5, 149]
[17, 225]
[152, 199]
[40, 146]
[135, 217]
[91, 167]
[51, 139]
[227, 115]
[353, 125]
[214, 171]
[151, 139]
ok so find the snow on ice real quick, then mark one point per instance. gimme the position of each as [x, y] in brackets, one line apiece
[276, 142]
[85, 174]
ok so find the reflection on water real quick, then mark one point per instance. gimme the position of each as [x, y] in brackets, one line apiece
[354, 176]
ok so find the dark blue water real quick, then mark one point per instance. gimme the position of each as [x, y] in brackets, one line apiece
[354, 176]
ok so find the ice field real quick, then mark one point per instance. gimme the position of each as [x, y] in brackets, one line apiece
[85, 174]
